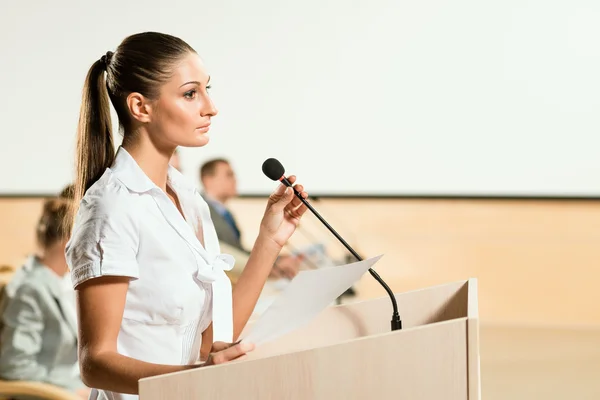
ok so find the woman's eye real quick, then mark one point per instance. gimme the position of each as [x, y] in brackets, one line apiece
[190, 94]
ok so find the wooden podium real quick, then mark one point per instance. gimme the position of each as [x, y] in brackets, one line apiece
[349, 352]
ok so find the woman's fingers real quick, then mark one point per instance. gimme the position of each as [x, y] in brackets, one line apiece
[230, 353]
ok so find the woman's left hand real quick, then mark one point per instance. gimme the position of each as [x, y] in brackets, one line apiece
[222, 352]
[283, 213]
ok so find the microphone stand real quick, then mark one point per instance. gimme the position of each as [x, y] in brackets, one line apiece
[396, 323]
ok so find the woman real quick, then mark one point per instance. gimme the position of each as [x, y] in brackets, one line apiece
[39, 333]
[153, 296]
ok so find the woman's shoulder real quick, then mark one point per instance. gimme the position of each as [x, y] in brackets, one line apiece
[105, 229]
[106, 203]
[107, 196]
[104, 191]
[29, 280]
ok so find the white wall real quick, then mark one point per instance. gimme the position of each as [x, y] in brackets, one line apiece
[460, 97]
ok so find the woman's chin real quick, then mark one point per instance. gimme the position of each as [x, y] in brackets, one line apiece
[198, 141]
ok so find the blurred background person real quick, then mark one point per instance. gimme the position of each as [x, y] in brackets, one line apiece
[220, 185]
[38, 327]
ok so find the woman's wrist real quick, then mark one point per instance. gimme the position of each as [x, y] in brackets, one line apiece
[267, 243]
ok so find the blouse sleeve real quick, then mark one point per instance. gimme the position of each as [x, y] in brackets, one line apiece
[105, 238]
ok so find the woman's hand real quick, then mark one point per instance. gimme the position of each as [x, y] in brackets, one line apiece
[283, 213]
[222, 352]
[83, 393]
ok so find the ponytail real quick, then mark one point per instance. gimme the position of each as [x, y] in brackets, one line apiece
[95, 148]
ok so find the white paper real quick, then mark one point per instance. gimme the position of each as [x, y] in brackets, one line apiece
[309, 293]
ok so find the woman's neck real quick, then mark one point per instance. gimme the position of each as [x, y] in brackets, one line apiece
[54, 259]
[154, 162]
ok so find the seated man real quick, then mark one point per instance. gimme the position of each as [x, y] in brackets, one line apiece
[220, 186]
[38, 323]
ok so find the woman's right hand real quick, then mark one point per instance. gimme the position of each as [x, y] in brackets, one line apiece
[283, 213]
[222, 352]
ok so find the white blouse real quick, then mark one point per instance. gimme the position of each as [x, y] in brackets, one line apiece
[127, 226]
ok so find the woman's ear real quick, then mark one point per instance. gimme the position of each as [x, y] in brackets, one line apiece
[139, 107]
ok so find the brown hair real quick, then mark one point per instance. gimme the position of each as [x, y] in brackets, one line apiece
[53, 224]
[141, 64]
[68, 192]
[210, 167]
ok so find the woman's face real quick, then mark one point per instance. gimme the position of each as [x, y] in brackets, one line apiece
[182, 113]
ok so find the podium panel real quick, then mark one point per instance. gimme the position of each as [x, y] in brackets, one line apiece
[349, 352]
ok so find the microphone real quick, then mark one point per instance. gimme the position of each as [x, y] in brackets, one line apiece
[273, 169]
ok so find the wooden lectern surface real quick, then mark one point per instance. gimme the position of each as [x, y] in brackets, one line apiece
[422, 365]
[348, 352]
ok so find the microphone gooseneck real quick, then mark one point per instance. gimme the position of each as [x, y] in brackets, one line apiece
[274, 170]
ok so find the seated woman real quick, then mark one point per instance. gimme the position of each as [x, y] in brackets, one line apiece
[38, 339]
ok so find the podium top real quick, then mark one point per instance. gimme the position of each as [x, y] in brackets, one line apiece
[345, 322]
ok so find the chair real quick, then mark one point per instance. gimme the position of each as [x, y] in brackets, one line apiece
[45, 391]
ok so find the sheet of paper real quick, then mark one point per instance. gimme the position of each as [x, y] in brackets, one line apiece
[309, 293]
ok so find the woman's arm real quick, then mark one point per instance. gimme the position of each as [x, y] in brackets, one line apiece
[251, 282]
[101, 302]
[282, 215]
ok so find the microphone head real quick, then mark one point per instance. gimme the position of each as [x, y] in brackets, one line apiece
[273, 169]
